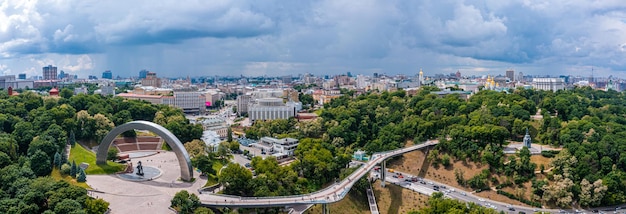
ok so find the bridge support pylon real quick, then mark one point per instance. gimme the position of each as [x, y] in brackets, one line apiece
[383, 173]
[325, 209]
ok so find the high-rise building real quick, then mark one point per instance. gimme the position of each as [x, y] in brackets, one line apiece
[49, 72]
[107, 74]
[458, 74]
[21, 76]
[62, 75]
[510, 74]
[143, 74]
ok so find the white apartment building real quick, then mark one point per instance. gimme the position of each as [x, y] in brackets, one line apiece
[548, 84]
[242, 103]
[362, 81]
[106, 90]
[270, 109]
[280, 148]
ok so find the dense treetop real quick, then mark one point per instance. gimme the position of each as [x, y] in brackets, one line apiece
[589, 124]
[35, 130]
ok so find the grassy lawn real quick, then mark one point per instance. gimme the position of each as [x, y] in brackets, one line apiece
[80, 155]
[145, 134]
[212, 179]
[56, 174]
[165, 147]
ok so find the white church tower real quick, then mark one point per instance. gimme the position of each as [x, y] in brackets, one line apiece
[527, 140]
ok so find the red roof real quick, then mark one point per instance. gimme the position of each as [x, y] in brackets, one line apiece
[54, 90]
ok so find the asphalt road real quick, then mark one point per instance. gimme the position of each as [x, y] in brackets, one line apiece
[427, 188]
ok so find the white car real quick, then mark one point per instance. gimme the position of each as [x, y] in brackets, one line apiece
[481, 200]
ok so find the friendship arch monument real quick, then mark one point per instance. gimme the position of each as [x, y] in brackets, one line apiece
[186, 170]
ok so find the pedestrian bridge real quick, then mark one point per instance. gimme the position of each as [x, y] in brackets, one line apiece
[330, 194]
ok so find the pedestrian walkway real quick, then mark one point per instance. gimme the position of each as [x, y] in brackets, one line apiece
[372, 200]
[148, 196]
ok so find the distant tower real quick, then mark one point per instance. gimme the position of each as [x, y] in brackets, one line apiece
[510, 74]
[49, 72]
[458, 74]
[143, 73]
[527, 139]
[420, 78]
[107, 74]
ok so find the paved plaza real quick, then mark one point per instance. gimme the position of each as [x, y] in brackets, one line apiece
[146, 196]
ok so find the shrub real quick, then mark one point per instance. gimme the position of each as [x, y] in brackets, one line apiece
[66, 169]
[549, 153]
[523, 200]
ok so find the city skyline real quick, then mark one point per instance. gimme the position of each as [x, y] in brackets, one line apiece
[319, 37]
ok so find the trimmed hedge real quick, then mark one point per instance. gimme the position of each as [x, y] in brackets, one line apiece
[549, 153]
[523, 200]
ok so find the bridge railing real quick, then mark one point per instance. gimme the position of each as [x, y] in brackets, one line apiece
[348, 185]
[294, 196]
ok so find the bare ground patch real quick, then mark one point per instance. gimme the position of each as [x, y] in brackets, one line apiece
[349, 205]
[393, 199]
[415, 163]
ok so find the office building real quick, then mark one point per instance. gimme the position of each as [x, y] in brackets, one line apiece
[21, 76]
[107, 74]
[217, 125]
[242, 104]
[10, 81]
[151, 79]
[548, 84]
[63, 75]
[270, 109]
[189, 102]
[510, 74]
[49, 72]
[143, 74]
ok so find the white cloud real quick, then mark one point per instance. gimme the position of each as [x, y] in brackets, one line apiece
[269, 36]
[470, 27]
[83, 63]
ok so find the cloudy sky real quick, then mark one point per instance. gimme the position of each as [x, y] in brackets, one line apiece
[278, 37]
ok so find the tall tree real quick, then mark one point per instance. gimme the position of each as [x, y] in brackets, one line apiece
[40, 163]
[235, 179]
[184, 202]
